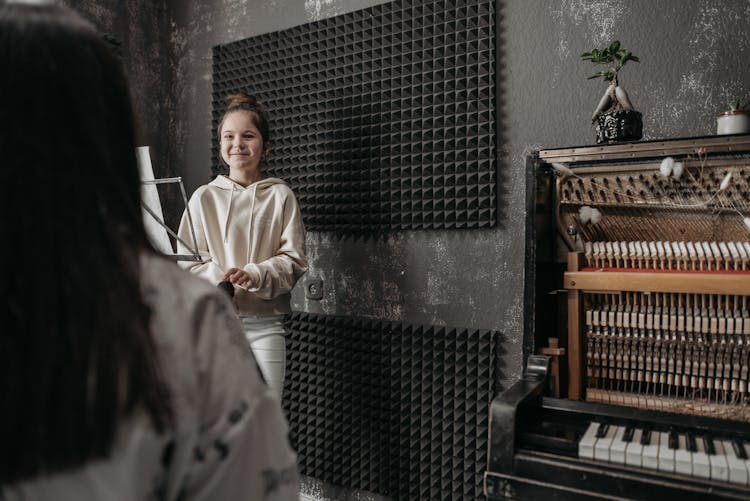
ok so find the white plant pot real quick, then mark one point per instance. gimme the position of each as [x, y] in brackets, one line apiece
[733, 122]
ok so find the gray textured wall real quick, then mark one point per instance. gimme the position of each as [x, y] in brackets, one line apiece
[694, 56]
[142, 28]
[693, 61]
[691, 65]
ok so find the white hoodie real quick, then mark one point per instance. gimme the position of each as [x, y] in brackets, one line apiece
[257, 228]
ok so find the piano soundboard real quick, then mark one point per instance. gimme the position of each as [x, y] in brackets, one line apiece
[639, 311]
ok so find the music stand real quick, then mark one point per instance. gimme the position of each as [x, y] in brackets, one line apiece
[158, 231]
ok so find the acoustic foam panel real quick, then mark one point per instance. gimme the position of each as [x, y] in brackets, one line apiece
[382, 118]
[396, 409]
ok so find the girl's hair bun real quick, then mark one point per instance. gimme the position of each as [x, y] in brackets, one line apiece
[240, 100]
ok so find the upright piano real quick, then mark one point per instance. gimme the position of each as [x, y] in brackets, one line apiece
[637, 344]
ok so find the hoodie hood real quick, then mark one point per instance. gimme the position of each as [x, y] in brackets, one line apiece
[224, 183]
[257, 189]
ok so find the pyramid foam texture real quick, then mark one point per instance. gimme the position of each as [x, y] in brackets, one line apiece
[396, 409]
[382, 118]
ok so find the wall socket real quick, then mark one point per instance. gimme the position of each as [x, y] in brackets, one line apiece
[314, 288]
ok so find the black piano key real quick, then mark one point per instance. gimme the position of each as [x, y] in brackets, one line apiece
[602, 430]
[708, 444]
[691, 445]
[627, 436]
[739, 450]
[646, 437]
[674, 440]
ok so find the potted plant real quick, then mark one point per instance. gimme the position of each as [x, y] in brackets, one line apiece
[615, 118]
[736, 120]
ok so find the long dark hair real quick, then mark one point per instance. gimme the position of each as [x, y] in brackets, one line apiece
[76, 352]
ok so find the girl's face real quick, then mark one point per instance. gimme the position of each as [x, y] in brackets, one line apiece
[242, 146]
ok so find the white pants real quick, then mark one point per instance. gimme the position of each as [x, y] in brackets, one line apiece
[266, 337]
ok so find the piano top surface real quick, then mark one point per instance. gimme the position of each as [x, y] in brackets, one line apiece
[732, 143]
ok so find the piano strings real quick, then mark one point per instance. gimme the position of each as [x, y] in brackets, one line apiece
[684, 353]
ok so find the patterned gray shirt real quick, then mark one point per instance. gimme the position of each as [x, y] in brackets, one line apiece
[230, 437]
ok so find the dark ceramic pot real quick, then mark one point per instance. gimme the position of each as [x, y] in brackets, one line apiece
[622, 125]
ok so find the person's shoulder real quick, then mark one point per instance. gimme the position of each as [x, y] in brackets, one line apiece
[280, 187]
[208, 192]
[201, 192]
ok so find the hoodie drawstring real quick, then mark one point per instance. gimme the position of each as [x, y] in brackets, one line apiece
[250, 223]
[229, 210]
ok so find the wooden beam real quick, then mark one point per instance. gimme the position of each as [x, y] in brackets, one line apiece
[691, 283]
[576, 346]
[653, 149]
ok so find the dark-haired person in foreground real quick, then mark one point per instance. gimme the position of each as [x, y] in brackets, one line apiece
[121, 376]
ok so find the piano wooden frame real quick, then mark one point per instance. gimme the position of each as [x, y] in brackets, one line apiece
[577, 281]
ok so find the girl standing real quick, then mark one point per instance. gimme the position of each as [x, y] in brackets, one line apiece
[249, 231]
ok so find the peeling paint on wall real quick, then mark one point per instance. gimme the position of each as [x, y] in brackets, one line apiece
[702, 69]
[440, 276]
[321, 9]
[596, 20]
[599, 18]
[712, 81]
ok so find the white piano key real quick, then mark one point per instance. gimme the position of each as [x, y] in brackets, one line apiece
[738, 473]
[683, 458]
[601, 448]
[718, 461]
[617, 450]
[587, 442]
[651, 452]
[666, 455]
[701, 464]
[634, 450]
[746, 446]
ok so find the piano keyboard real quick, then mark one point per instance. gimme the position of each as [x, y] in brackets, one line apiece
[684, 453]
[571, 450]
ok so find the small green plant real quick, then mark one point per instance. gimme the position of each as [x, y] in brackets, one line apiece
[737, 106]
[615, 56]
